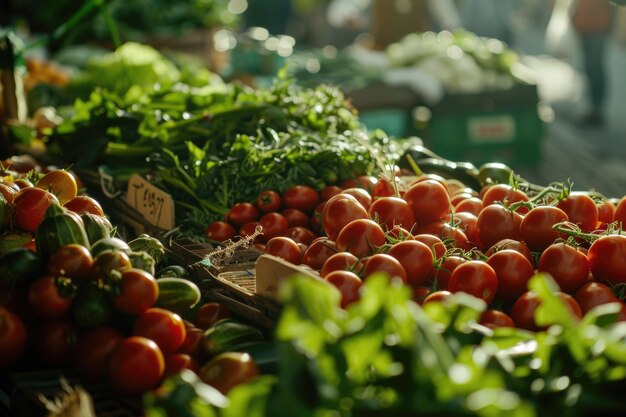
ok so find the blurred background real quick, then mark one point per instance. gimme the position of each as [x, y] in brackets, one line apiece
[536, 84]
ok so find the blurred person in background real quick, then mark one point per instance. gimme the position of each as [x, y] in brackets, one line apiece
[592, 21]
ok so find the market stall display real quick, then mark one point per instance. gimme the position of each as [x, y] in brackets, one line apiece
[205, 248]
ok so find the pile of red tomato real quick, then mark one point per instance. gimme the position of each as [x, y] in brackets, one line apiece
[440, 237]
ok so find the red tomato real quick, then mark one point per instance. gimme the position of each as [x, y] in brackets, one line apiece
[137, 292]
[93, 350]
[441, 274]
[455, 199]
[606, 212]
[71, 261]
[342, 261]
[360, 237]
[210, 313]
[284, 248]
[249, 229]
[504, 193]
[495, 222]
[523, 311]
[568, 266]
[513, 270]
[594, 294]
[435, 244]
[581, 210]
[192, 345]
[220, 231]
[273, 224]
[136, 365]
[176, 362]
[437, 297]
[468, 223]
[82, 203]
[470, 205]
[55, 342]
[476, 278]
[366, 182]
[13, 338]
[23, 183]
[107, 261]
[515, 245]
[318, 251]
[164, 327]
[50, 298]
[330, 191]
[30, 207]
[316, 218]
[242, 213]
[227, 370]
[398, 233]
[61, 183]
[495, 318]
[416, 258]
[339, 211]
[361, 195]
[448, 232]
[384, 188]
[392, 211]
[348, 284]
[434, 177]
[607, 259]
[382, 262]
[268, 201]
[420, 294]
[620, 211]
[301, 197]
[300, 235]
[536, 227]
[296, 217]
[429, 201]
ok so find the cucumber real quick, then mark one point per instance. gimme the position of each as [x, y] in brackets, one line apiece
[150, 245]
[227, 334]
[178, 295]
[19, 267]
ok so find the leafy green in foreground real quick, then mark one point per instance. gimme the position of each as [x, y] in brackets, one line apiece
[386, 356]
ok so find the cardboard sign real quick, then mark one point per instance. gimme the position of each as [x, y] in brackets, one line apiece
[155, 205]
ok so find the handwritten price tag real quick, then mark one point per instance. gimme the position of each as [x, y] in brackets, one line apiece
[155, 205]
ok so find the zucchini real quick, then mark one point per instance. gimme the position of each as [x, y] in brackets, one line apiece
[152, 246]
[176, 271]
[19, 267]
[92, 306]
[110, 243]
[96, 227]
[178, 295]
[59, 228]
[227, 334]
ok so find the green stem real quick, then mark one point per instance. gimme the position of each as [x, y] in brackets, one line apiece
[110, 22]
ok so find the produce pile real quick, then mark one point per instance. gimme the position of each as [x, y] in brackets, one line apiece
[74, 296]
[493, 269]
[462, 61]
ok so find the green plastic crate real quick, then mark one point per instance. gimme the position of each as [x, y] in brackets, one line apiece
[392, 121]
[499, 126]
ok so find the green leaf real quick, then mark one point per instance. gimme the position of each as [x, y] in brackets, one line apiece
[551, 310]
[251, 399]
